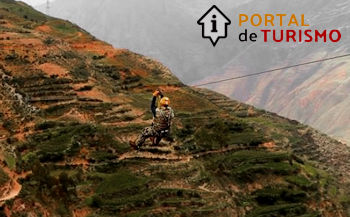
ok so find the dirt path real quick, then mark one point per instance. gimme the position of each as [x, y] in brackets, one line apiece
[185, 158]
[172, 156]
[229, 149]
[148, 155]
[13, 187]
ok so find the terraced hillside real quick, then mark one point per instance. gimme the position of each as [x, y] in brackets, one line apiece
[70, 104]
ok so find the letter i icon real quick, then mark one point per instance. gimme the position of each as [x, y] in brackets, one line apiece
[214, 27]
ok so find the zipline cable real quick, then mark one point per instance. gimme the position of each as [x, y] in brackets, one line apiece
[272, 70]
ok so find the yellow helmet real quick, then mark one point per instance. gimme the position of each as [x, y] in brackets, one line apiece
[165, 101]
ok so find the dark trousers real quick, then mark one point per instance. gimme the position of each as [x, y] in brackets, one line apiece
[150, 132]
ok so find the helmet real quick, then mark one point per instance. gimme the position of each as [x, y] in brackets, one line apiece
[165, 101]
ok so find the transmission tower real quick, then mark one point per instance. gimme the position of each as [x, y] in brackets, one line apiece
[47, 6]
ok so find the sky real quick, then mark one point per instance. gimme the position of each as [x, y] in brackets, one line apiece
[35, 2]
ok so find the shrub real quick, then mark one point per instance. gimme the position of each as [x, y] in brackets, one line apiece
[69, 55]
[93, 201]
[86, 88]
[131, 79]
[45, 125]
[11, 57]
[49, 41]
[273, 194]
[220, 133]
[8, 124]
[80, 71]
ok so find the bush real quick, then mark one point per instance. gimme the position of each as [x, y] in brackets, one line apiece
[213, 135]
[98, 57]
[93, 201]
[273, 194]
[131, 79]
[245, 166]
[218, 134]
[279, 210]
[111, 71]
[86, 88]
[100, 156]
[80, 71]
[156, 71]
[69, 55]
[300, 181]
[45, 125]
[11, 57]
[49, 41]
[8, 124]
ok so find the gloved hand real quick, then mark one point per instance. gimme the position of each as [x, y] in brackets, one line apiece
[156, 93]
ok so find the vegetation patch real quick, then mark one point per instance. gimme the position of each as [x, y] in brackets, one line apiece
[63, 28]
[246, 166]
[301, 181]
[4, 178]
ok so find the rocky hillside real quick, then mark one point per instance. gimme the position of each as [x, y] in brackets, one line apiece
[70, 104]
[173, 39]
[315, 95]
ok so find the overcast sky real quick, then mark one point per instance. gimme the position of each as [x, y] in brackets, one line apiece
[35, 2]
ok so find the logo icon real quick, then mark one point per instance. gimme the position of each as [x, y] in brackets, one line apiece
[214, 24]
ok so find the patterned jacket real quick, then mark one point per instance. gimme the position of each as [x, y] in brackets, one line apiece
[161, 116]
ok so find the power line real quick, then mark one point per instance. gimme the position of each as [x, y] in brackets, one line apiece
[272, 70]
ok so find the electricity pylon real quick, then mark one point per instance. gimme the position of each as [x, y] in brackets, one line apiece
[47, 6]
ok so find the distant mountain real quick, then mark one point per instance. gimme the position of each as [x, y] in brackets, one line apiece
[316, 94]
[69, 105]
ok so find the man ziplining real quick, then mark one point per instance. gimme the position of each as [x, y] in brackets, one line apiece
[160, 127]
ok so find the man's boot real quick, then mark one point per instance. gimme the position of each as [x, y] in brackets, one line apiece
[153, 140]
